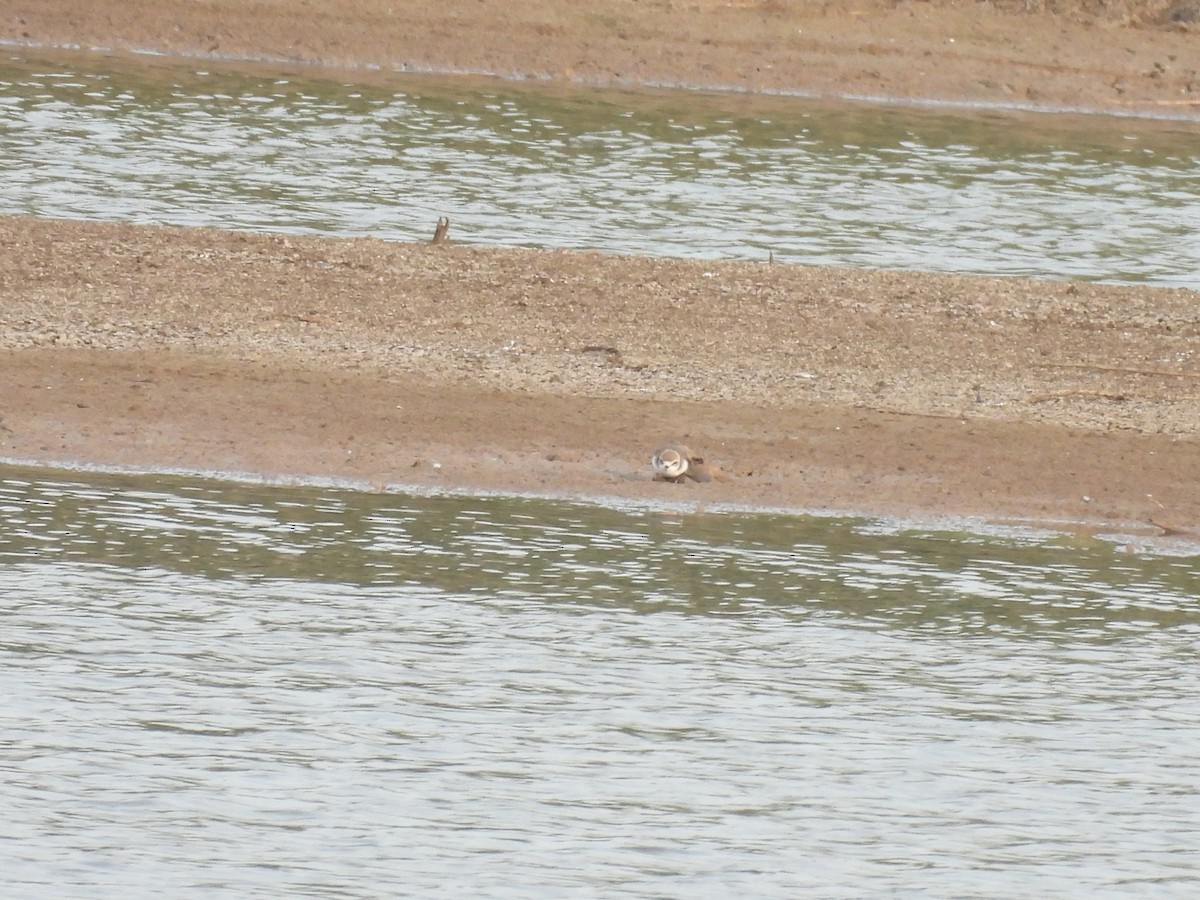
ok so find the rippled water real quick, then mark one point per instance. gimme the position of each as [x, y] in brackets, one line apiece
[242, 690]
[662, 173]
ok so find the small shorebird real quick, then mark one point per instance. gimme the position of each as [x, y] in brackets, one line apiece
[671, 463]
[675, 462]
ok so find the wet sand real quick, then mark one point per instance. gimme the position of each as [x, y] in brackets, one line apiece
[560, 373]
[1115, 56]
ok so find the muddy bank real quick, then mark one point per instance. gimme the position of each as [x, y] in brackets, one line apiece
[561, 373]
[1112, 56]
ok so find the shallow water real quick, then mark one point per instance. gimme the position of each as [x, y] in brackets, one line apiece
[670, 173]
[243, 690]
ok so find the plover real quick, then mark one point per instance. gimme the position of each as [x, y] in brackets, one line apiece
[675, 462]
[671, 463]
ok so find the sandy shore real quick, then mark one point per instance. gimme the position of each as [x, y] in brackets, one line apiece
[559, 373]
[1113, 56]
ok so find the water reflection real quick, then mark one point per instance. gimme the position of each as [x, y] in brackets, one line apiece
[726, 565]
[254, 691]
[674, 174]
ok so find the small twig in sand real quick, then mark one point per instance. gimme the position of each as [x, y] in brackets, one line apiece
[1123, 369]
[1167, 530]
[1062, 395]
[1171, 530]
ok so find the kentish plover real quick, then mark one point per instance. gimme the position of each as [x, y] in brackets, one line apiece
[675, 462]
[671, 463]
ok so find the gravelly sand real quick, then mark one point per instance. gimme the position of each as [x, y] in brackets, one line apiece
[561, 372]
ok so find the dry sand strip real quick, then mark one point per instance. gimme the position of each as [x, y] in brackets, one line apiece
[560, 373]
[1117, 56]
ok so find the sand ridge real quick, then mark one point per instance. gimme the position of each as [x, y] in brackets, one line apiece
[562, 372]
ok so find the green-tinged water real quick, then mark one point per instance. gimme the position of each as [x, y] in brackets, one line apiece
[680, 173]
[232, 690]
[220, 689]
